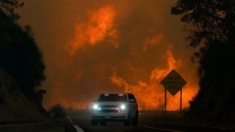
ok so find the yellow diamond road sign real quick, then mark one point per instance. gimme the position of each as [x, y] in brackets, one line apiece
[173, 82]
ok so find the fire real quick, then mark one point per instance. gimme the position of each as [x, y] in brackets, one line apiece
[100, 26]
[150, 95]
[152, 41]
[73, 90]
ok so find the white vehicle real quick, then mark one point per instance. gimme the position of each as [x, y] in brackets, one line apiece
[120, 107]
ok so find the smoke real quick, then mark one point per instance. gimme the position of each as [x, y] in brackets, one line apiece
[151, 41]
[98, 28]
[150, 95]
[91, 47]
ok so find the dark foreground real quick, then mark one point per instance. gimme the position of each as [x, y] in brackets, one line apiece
[155, 123]
[62, 125]
[147, 123]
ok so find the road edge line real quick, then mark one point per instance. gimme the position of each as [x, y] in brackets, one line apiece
[78, 129]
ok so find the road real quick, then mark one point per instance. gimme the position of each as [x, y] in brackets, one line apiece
[82, 119]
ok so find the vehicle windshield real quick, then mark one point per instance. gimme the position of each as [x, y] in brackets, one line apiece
[112, 97]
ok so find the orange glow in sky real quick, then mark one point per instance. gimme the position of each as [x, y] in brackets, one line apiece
[99, 26]
[90, 47]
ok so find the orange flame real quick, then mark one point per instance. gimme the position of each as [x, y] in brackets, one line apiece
[151, 95]
[99, 26]
[152, 41]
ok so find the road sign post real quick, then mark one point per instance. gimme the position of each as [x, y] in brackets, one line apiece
[181, 101]
[173, 82]
[165, 100]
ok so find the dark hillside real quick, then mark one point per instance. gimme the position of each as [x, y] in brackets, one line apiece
[14, 105]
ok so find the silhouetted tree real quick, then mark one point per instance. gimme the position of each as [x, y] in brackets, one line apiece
[19, 55]
[58, 111]
[211, 24]
[8, 6]
[208, 20]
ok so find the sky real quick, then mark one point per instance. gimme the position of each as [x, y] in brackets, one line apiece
[90, 47]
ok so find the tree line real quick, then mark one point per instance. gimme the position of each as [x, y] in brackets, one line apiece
[210, 25]
[20, 56]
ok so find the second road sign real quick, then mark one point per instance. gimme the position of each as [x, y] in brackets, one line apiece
[173, 82]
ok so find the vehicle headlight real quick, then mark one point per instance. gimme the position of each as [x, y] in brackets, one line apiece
[95, 106]
[122, 107]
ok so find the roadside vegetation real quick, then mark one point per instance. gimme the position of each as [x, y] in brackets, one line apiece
[21, 68]
[57, 111]
[19, 55]
[15, 107]
[210, 27]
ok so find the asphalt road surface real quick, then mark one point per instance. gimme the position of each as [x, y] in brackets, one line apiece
[82, 119]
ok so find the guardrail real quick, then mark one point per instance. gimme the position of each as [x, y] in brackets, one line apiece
[149, 112]
[159, 112]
